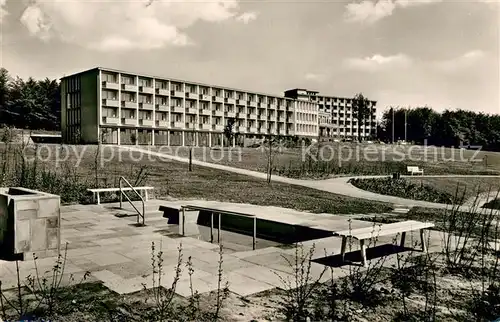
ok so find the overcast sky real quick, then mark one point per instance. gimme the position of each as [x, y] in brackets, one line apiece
[444, 54]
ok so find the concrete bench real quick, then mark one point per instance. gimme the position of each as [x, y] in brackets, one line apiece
[381, 230]
[414, 170]
[96, 192]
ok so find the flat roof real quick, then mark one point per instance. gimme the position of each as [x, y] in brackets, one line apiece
[179, 80]
[301, 89]
[322, 95]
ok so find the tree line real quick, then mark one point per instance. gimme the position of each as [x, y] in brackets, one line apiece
[449, 128]
[29, 104]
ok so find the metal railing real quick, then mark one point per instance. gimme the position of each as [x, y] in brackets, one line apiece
[122, 179]
[220, 212]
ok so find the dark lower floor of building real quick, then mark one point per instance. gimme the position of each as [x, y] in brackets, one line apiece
[132, 136]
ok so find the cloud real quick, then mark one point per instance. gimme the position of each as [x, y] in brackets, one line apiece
[3, 10]
[247, 17]
[466, 60]
[314, 77]
[121, 24]
[34, 20]
[378, 62]
[370, 11]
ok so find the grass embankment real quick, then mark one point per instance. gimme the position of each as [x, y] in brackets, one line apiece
[72, 175]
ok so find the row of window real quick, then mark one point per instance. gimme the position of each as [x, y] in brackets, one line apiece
[307, 117]
[306, 106]
[163, 100]
[307, 128]
[349, 130]
[73, 84]
[74, 100]
[73, 116]
[146, 115]
[196, 89]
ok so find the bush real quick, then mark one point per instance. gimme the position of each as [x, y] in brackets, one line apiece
[494, 204]
[404, 189]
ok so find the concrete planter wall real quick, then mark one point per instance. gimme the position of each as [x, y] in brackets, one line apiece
[30, 222]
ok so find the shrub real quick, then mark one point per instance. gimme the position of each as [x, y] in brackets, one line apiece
[404, 189]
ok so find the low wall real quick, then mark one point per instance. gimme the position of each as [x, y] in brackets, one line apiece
[30, 222]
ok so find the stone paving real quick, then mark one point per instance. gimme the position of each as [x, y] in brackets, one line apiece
[119, 254]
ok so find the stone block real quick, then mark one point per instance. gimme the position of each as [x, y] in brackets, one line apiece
[26, 205]
[23, 246]
[24, 227]
[38, 234]
[22, 241]
[48, 208]
[26, 214]
[52, 238]
[52, 222]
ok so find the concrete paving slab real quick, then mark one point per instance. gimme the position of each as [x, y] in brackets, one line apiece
[269, 258]
[107, 258]
[199, 284]
[106, 276]
[126, 271]
[261, 251]
[244, 285]
[263, 274]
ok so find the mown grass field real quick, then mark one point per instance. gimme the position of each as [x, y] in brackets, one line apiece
[85, 167]
[467, 188]
[346, 159]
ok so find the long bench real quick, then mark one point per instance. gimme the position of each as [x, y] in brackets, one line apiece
[380, 230]
[414, 170]
[96, 192]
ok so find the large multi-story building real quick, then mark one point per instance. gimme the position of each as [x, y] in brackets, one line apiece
[337, 118]
[117, 107]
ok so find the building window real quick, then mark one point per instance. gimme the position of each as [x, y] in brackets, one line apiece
[177, 87]
[144, 82]
[161, 100]
[110, 95]
[128, 80]
[110, 78]
[161, 84]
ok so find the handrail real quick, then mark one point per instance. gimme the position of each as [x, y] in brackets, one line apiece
[130, 201]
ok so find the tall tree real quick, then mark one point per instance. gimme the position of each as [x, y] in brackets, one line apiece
[361, 111]
[4, 94]
[421, 122]
[229, 130]
[29, 103]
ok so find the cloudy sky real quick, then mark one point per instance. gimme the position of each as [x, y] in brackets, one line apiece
[444, 54]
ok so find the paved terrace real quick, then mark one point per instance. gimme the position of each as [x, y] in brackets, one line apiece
[339, 185]
[119, 254]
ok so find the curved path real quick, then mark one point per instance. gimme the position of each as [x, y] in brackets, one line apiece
[337, 185]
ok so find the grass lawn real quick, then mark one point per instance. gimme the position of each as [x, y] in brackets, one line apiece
[172, 179]
[467, 187]
[347, 158]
